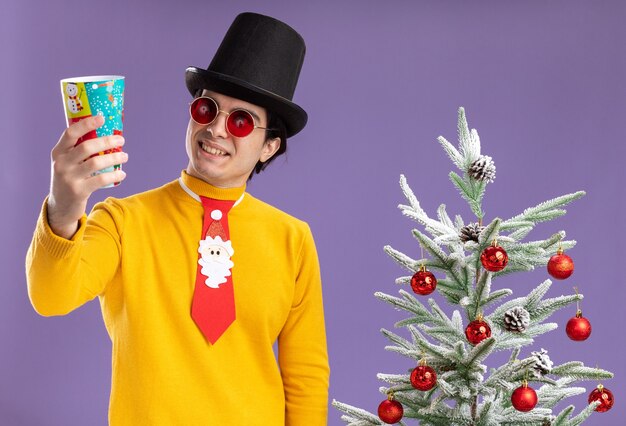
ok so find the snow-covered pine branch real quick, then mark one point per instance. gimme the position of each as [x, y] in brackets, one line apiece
[577, 370]
[448, 288]
[547, 210]
[537, 307]
[479, 294]
[408, 303]
[469, 193]
[500, 378]
[563, 418]
[437, 228]
[413, 265]
[452, 152]
[357, 416]
[550, 396]
[469, 143]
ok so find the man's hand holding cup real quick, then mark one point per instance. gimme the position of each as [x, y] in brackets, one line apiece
[88, 156]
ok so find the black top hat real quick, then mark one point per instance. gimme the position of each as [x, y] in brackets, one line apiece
[259, 61]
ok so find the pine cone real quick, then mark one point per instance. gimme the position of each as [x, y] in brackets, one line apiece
[483, 169]
[516, 319]
[471, 232]
[543, 363]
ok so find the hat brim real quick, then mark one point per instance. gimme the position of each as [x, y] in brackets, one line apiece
[294, 116]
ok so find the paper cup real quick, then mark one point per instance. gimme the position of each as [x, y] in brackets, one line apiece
[88, 96]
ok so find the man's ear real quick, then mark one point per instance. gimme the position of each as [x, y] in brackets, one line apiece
[269, 149]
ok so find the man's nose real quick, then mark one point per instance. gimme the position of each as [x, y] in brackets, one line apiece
[218, 127]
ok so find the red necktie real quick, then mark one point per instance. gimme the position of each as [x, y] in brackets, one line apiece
[213, 306]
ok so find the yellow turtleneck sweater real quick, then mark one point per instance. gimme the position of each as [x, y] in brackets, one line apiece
[139, 256]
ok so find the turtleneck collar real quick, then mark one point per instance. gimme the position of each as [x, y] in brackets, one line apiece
[200, 187]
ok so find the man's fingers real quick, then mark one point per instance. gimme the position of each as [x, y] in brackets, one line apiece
[101, 144]
[77, 130]
[100, 162]
[104, 179]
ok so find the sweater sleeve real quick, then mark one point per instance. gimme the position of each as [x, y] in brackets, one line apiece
[302, 353]
[64, 274]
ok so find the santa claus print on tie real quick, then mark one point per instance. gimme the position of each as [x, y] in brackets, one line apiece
[215, 260]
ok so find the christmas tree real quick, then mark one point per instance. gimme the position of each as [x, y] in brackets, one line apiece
[450, 384]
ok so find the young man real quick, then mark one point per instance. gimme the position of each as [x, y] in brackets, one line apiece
[197, 279]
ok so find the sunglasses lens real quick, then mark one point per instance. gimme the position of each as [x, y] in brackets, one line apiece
[240, 123]
[203, 110]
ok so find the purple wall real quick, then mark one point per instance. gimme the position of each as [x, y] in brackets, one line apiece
[543, 82]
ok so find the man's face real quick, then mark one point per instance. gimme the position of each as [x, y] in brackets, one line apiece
[221, 159]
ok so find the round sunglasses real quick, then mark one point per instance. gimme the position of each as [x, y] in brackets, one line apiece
[239, 122]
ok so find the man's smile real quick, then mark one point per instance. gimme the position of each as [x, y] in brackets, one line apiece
[212, 149]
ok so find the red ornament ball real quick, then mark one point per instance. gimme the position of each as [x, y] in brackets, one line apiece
[494, 258]
[560, 266]
[605, 397]
[477, 331]
[390, 411]
[578, 328]
[423, 282]
[524, 398]
[423, 378]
